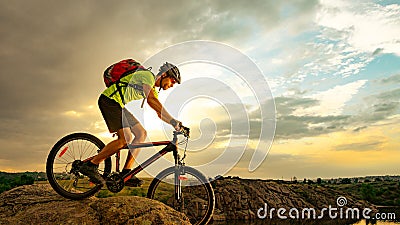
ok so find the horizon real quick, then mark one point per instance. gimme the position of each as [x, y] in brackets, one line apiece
[233, 176]
[332, 69]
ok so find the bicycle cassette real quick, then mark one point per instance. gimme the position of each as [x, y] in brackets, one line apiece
[114, 182]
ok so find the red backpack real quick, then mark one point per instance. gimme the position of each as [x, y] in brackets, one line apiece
[119, 70]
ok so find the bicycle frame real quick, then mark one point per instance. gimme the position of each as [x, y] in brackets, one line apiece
[170, 147]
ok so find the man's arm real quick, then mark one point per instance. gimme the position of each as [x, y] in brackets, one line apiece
[157, 106]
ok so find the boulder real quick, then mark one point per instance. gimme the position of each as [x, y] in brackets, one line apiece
[39, 204]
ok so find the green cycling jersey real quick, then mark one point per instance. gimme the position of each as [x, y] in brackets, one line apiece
[130, 93]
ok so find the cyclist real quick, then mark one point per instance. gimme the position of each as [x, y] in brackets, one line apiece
[120, 121]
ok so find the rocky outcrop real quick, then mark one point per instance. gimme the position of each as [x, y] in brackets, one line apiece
[39, 204]
[241, 198]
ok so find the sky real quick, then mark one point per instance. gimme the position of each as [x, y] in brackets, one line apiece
[332, 68]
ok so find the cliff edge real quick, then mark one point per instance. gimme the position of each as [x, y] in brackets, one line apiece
[240, 199]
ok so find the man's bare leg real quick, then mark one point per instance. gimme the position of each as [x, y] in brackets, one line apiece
[114, 146]
[140, 136]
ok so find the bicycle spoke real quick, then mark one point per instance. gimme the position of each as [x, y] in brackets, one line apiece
[62, 165]
[196, 200]
[84, 151]
[69, 153]
[83, 187]
[63, 160]
[80, 150]
[58, 167]
[67, 184]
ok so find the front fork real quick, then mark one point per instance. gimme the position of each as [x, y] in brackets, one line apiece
[179, 176]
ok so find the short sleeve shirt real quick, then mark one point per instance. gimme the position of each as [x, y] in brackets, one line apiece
[139, 78]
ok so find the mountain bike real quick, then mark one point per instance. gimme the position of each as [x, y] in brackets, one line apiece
[181, 187]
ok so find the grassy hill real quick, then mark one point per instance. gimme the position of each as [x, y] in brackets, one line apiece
[11, 180]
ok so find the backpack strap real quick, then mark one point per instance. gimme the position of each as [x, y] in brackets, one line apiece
[125, 84]
[134, 86]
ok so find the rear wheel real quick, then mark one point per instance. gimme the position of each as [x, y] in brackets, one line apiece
[64, 161]
[197, 199]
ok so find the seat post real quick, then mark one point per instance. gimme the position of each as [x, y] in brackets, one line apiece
[117, 160]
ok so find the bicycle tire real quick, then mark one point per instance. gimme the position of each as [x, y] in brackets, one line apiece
[158, 188]
[74, 186]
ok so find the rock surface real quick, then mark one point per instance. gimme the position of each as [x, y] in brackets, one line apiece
[39, 204]
[240, 199]
[236, 199]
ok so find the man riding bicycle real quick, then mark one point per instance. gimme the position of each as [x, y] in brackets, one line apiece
[119, 120]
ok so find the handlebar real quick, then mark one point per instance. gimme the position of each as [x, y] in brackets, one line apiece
[185, 131]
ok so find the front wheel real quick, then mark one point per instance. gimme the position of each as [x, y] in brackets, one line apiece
[195, 197]
[64, 161]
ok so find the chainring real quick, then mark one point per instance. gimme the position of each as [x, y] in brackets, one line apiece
[114, 182]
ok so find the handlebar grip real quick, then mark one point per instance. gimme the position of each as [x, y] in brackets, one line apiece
[185, 131]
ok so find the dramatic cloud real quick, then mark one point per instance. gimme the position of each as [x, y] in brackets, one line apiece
[365, 146]
[332, 101]
[359, 25]
[394, 79]
[347, 40]
[307, 117]
[316, 55]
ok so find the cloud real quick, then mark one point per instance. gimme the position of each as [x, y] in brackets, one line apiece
[289, 126]
[53, 55]
[333, 57]
[287, 105]
[66, 46]
[394, 79]
[359, 128]
[369, 26]
[377, 51]
[391, 95]
[383, 105]
[347, 37]
[321, 113]
[332, 101]
[364, 146]
[295, 127]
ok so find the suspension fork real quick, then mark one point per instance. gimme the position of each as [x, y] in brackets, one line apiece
[179, 177]
[178, 169]
[178, 184]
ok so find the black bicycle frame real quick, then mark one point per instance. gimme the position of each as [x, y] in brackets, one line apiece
[170, 147]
